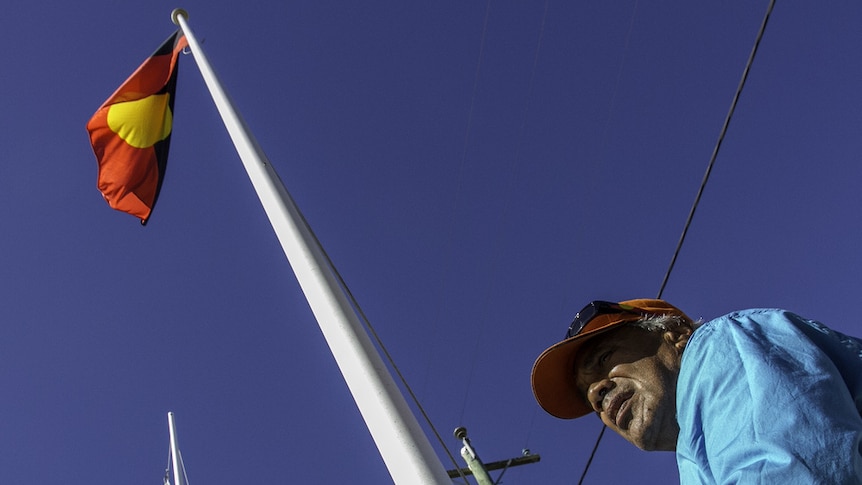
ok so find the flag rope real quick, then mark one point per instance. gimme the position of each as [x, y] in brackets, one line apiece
[365, 321]
[403, 445]
[168, 469]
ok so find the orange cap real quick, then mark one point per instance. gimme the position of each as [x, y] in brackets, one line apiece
[553, 376]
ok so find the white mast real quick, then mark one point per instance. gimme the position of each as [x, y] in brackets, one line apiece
[405, 449]
[176, 458]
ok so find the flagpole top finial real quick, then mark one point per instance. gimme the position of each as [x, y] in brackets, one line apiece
[176, 13]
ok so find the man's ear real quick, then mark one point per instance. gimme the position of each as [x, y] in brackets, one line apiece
[679, 335]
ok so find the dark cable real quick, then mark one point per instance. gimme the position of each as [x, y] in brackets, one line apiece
[595, 448]
[717, 146]
[700, 190]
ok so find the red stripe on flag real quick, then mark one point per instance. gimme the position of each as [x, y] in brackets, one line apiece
[130, 178]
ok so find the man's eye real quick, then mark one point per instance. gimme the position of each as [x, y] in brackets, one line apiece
[604, 357]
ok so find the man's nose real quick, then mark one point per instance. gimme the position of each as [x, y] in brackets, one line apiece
[597, 392]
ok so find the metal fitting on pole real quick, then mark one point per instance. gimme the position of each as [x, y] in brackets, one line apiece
[472, 458]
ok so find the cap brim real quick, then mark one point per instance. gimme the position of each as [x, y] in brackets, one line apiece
[553, 376]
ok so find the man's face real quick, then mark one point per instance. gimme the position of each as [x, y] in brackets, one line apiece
[628, 376]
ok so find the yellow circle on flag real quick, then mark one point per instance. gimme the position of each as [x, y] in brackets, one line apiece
[143, 122]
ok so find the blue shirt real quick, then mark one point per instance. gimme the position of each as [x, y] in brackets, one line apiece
[765, 396]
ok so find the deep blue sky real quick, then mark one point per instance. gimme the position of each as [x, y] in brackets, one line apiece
[472, 216]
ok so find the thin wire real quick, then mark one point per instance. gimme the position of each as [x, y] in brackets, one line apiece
[702, 185]
[613, 101]
[400, 375]
[183, 468]
[475, 84]
[467, 129]
[604, 139]
[450, 235]
[495, 262]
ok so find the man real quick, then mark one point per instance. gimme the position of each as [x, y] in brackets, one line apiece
[757, 396]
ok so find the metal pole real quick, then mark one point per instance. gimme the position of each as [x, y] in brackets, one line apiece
[400, 440]
[176, 459]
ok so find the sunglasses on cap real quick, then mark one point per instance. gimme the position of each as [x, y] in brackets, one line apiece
[596, 308]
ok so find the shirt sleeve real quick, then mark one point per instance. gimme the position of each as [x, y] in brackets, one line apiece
[758, 402]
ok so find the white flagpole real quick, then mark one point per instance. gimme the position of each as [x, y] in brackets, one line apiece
[176, 458]
[405, 449]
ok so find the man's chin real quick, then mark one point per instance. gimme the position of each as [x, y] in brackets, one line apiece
[638, 436]
[647, 441]
[639, 442]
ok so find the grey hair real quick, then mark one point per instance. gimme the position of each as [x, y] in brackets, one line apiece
[663, 323]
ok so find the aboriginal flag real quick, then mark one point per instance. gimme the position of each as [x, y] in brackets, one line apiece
[131, 132]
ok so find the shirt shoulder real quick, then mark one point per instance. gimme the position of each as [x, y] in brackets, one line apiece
[747, 381]
[762, 332]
